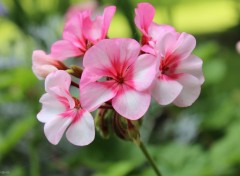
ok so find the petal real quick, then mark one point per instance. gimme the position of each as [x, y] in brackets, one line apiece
[129, 51]
[58, 83]
[60, 79]
[148, 49]
[130, 103]
[82, 132]
[144, 71]
[184, 45]
[107, 18]
[144, 16]
[190, 92]
[92, 29]
[155, 30]
[63, 49]
[165, 90]
[73, 33]
[112, 55]
[51, 108]
[191, 65]
[55, 128]
[99, 56]
[165, 43]
[94, 94]
[92, 75]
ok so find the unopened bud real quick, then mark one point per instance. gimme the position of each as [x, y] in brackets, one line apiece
[103, 122]
[126, 129]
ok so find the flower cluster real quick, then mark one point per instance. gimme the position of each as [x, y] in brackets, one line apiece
[120, 74]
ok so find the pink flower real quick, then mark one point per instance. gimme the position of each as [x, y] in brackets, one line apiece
[180, 76]
[114, 72]
[81, 32]
[43, 64]
[61, 111]
[150, 30]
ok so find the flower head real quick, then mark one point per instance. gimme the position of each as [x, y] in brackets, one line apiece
[81, 31]
[114, 72]
[61, 111]
[179, 76]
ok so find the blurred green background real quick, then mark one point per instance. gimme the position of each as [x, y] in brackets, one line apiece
[201, 140]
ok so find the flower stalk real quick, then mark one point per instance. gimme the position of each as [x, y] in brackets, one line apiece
[143, 148]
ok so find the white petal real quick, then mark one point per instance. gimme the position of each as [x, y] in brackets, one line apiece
[82, 132]
[165, 90]
[144, 71]
[55, 128]
[94, 94]
[51, 107]
[130, 103]
[190, 92]
[191, 65]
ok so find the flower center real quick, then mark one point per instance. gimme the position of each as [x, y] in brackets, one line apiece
[120, 79]
[77, 103]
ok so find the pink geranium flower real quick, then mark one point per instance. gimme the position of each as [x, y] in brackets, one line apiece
[114, 72]
[43, 64]
[180, 76]
[61, 111]
[81, 31]
[150, 31]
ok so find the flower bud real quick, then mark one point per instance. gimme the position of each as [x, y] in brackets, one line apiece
[126, 129]
[43, 64]
[103, 122]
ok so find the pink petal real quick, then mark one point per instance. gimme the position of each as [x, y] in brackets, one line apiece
[190, 92]
[94, 94]
[112, 55]
[51, 108]
[92, 75]
[130, 103]
[107, 18]
[155, 30]
[82, 132]
[60, 79]
[73, 33]
[191, 65]
[165, 90]
[148, 49]
[63, 49]
[184, 45]
[99, 56]
[165, 43]
[55, 128]
[144, 71]
[144, 16]
[129, 51]
[92, 30]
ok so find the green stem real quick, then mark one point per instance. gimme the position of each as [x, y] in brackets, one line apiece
[149, 158]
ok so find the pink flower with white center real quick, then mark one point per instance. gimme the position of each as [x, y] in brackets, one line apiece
[61, 111]
[150, 31]
[43, 64]
[180, 76]
[81, 31]
[114, 72]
